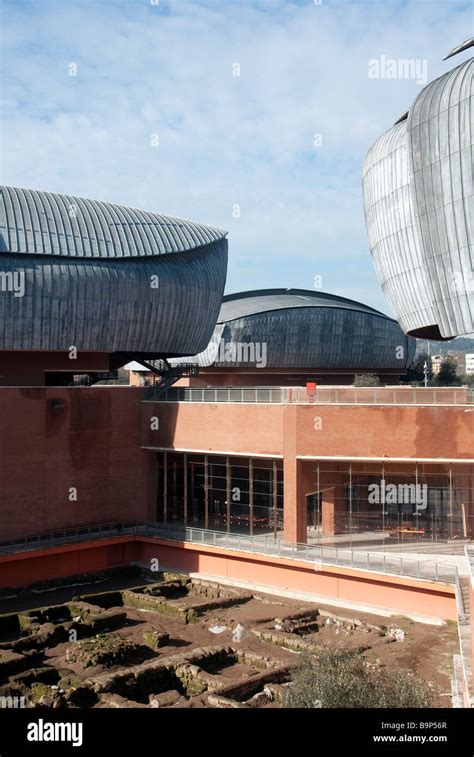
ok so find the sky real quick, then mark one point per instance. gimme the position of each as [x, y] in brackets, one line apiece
[250, 115]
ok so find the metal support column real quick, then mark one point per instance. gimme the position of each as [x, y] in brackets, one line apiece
[417, 511]
[275, 499]
[228, 475]
[165, 487]
[450, 531]
[175, 499]
[206, 491]
[383, 507]
[157, 505]
[251, 495]
[319, 507]
[350, 501]
[185, 488]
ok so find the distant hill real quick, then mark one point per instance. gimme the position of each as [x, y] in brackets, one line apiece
[459, 344]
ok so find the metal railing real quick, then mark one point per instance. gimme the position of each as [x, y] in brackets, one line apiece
[463, 664]
[68, 536]
[267, 544]
[317, 554]
[249, 395]
[339, 395]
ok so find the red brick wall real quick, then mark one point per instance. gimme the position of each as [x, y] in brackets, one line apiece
[54, 439]
[343, 430]
[215, 427]
[216, 377]
[90, 438]
[395, 431]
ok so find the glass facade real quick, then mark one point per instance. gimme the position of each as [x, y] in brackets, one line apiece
[221, 493]
[394, 503]
[361, 505]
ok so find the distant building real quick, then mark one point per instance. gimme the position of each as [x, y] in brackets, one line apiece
[290, 337]
[436, 362]
[470, 363]
[456, 357]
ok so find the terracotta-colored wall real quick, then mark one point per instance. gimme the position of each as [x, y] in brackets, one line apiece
[344, 584]
[215, 427]
[392, 431]
[389, 592]
[54, 439]
[318, 430]
[24, 568]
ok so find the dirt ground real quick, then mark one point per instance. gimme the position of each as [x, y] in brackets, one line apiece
[256, 640]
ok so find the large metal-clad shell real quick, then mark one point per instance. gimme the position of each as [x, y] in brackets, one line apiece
[392, 230]
[418, 199]
[106, 278]
[298, 328]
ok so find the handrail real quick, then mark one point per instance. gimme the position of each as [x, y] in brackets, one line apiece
[263, 544]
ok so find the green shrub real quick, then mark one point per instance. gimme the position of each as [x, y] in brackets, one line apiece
[342, 678]
[366, 379]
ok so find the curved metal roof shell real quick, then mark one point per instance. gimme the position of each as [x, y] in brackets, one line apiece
[418, 199]
[262, 300]
[99, 277]
[45, 223]
[300, 328]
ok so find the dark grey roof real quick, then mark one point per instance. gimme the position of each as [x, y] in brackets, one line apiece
[304, 329]
[263, 300]
[45, 223]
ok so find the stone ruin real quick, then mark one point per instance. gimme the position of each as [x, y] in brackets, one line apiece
[78, 655]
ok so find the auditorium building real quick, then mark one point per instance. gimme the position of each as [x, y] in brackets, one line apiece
[256, 436]
[242, 450]
[418, 199]
[292, 337]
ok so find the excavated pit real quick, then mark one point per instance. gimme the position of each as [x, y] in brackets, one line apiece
[175, 641]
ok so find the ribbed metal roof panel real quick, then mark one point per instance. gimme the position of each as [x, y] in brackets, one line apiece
[299, 328]
[109, 306]
[46, 223]
[390, 220]
[440, 158]
[418, 198]
[244, 304]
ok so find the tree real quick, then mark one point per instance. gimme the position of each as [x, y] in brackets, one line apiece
[415, 372]
[366, 379]
[447, 375]
[343, 678]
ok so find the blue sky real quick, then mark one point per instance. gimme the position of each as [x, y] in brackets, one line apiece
[166, 69]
